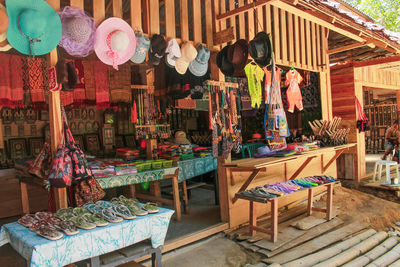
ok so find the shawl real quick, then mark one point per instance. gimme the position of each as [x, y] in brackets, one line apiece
[101, 81]
[90, 85]
[36, 82]
[120, 84]
[79, 89]
[5, 83]
[17, 84]
[67, 98]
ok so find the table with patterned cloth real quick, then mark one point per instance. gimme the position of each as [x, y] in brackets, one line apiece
[194, 167]
[88, 243]
[130, 179]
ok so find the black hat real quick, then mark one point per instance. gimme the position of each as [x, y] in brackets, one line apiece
[223, 63]
[260, 49]
[157, 49]
[238, 54]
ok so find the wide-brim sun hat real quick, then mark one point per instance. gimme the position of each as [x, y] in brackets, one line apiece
[188, 54]
[4, 45]
[223, 63]
[260, 49]
[199, 66]
[142, 46]
[115, 42]
[34, 27]
[238, 53]
[78, 33]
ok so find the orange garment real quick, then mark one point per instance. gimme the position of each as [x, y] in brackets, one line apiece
[268, 80]
[293, 93]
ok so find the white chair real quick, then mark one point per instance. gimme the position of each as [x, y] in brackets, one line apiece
[388, 164]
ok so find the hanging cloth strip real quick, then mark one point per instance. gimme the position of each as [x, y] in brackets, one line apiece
[362, 120]
[101, 80]
[210, 125]
[36, 81]
[79, 89]
[90, 85]
[134, 112]
[67, 98]
[120, 84]
[5, 90]
[17, 84]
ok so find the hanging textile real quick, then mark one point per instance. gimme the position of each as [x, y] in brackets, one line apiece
[275, 123]
[67, 98]
[134, 112]
[90, 85]
[79, 89]
[255, 76]
[267, 86]
[5, 90]
[120, 84]
[294, 97]
[101, 80]
[36, 81]
[362, 120]
[17, 84]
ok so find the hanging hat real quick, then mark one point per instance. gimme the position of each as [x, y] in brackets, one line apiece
[142, 46]
[199, 66]
[115, 42]
[238, 54]
[173, 52]
[4, 45]
[34, 27]
[223, 63]
[188, 54]
[157, 49]
[180, 138]
[78, 31]
[260, 49]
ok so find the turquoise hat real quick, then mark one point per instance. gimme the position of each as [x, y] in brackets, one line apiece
[34, 26]
[142, 46]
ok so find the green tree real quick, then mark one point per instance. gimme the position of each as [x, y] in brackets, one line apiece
[384, 12]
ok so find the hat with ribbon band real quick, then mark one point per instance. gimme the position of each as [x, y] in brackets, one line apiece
[34, 27]
[115, 42]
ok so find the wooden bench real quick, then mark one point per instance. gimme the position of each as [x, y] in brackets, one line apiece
[274, 209]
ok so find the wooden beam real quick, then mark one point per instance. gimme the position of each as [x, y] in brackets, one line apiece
[77, 3]
[377, 61]
[117, 8]
[284, 41]
[242, 25]
[136, 15]
[197, 24]
[99, 11]
[303, 43]
[170, 18]
[291, 42]
[209, 23]
[184, 20]
[146, 16]
[268, 19]
[241, 9]
[308, 41]
[314, 45]
[277, 37]
[319, 47]
[252, 23]
[315, 19]
[347, 48]
[233, 19]
[252, 176]
[154, 9]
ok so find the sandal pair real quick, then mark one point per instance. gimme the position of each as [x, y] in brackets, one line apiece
[46, 230]
[132, 204]
[106, 213]
[95, 219]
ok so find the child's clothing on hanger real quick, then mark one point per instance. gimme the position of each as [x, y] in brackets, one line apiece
[255, 76]
[293, 93]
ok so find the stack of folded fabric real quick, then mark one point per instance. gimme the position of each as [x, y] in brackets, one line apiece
[170, 150]
[101, 170]
[202, 152]
[128, 153]
[311, 145]
[125, 169]
[186, 152]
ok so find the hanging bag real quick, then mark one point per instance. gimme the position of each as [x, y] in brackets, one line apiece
[40, 165]
[61, 167]
[362, 120]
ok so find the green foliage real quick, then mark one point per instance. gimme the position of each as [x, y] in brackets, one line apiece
[384, 12]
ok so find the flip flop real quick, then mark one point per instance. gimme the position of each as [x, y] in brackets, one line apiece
[68, 227]
[136, 209]
[48, 233]
[104, 204]
[98, 220]
[80, 222]
[109, 215]
[150, 207]
[123, 211]
[27, 220]
[43, 215]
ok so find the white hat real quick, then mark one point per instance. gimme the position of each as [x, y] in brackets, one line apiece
[173, 52]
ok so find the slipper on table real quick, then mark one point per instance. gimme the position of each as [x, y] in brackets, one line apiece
[66, 211]
[93, 208]
[68, 227]
[80, 222]
[109, 215]
[49, 233]
[150, 207]
[136, 209]
[27, 220]
[96, 219]
[124, 212]
[43, 215]
[104, 204]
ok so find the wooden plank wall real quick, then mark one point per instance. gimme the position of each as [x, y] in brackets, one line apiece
[297, 41]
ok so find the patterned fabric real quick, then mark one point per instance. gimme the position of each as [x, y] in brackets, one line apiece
[67, 98]
[5, 90]
[36, 81]
[120, 84]
[101, 80]
[195, 167]
[137, 178]
[90, 85]
[17, 84]
[88, 243]
[79, 90]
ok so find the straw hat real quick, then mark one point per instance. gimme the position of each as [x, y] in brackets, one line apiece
[142, 46]
[180, 138]
[34, 27]
[78, 31]
[188, 54]
[115, 42]
[199, 66]
[4, 45]
[173, 52]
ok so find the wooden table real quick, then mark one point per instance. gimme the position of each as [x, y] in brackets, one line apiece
[274, 209]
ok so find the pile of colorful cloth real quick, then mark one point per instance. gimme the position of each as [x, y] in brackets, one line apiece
[169, 150]
[201, 152]
[101, 169]
[128, 153]
[125, 169]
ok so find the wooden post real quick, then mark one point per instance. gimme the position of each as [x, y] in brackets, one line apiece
[185, 197]
[310, 201]
[253, 218]
[329, 202]
[24, 198]
[274, 220]
[177, 203]
[99, 11]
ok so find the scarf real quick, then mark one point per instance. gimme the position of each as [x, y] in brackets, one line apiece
[101, 80]
[36, 81]
[120, 84]
[79, 89]
[90, 85]
[67, 98]
[17, 84]
[5, 83]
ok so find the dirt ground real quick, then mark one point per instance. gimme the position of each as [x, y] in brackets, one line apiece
[353, 205]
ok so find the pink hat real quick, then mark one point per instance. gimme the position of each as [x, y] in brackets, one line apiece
[115, 42]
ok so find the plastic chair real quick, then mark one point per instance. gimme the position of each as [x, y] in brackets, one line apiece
[251, 149]
[388, 163]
